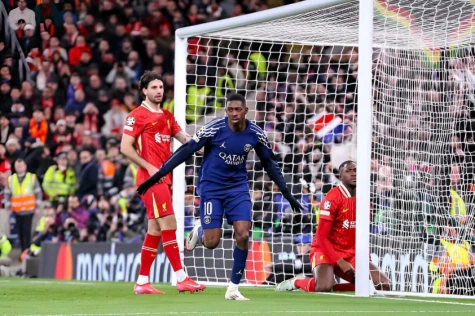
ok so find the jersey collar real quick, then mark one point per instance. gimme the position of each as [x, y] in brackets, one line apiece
[344, 191]
[148, 107]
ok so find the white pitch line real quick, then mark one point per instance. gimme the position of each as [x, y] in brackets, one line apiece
[402, 299]
[425, 301]
[48, 282]
[246, 312]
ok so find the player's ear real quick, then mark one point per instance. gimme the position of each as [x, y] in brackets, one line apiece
[246, 109]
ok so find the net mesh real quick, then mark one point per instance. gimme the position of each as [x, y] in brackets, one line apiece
[299, 75]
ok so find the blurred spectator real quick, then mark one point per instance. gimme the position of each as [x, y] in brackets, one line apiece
[21, 13]
[46, 10]
[87, 178]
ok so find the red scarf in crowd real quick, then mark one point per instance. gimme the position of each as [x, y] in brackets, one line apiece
[90, 123]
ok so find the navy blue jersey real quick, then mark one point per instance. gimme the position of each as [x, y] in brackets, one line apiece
[224, 161]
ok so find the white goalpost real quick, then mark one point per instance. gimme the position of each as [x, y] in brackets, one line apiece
[405, 71]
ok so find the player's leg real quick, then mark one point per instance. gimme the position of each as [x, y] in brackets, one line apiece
[238, 212]
[323, 276]
[380, 280]
[163, 211]
[208, 230]
[149, 250]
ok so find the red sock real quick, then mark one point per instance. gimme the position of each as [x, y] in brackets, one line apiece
[171, 249]
[148, 253]
[344, 287]
[307, 285]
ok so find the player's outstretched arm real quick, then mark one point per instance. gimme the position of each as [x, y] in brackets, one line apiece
[271, 166]
[178, 157]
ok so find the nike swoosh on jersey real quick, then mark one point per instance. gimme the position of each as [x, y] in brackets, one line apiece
[154, 123]
[345, 210]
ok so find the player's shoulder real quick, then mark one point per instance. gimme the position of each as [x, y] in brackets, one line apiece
[260, 134]
[138, 111]
[255, 128]
[167, 113]
[338, 192]
[211, 128]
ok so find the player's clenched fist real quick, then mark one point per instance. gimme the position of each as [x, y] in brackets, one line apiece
[147, 184]
[346, 267]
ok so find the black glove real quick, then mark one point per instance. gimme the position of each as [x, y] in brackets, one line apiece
[149, 183]
[296, 206]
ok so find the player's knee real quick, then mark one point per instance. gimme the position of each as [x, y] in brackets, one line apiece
[211, 242]
[242, 238]
[323, 287]
[385, 286]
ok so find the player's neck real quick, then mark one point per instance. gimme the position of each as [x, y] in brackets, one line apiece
[152, 105]
[237, 128]
[351, 190]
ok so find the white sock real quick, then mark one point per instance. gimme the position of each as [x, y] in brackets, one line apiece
[180, 275]
[142, 279]
[232, 287]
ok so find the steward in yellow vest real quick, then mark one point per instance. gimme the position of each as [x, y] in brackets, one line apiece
[59, 180]
[225, 85]
[23, 196]
[455, 265]
[196, 99]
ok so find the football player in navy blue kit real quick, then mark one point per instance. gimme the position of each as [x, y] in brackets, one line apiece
[223, 183]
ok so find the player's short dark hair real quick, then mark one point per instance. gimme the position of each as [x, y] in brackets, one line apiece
[148, 77]
[344, 164]
[236, 97]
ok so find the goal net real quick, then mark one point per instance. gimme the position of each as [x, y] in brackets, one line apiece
[299, 75]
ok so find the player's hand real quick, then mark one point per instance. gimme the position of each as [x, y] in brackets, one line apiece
[346, 267]
[296, 206]
[157, 177]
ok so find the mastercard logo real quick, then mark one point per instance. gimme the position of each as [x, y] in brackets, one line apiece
[259, 263]
[64, 263]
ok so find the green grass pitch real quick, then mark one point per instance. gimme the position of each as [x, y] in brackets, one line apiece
[49, 297]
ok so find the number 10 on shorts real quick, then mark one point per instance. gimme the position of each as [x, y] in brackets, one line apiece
[208, 208]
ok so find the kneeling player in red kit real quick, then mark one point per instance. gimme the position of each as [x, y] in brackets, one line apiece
[333, 248]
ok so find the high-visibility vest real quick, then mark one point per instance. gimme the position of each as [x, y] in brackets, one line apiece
[133, 169]
[23, 194]
[196, 102]
[169, 105]
[224, 83]
[457, 256]
[56, 182]
[108, 171]
[260, 63]
[458, 205]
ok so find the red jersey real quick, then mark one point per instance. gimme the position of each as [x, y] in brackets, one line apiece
[153, 132]
[339, 208]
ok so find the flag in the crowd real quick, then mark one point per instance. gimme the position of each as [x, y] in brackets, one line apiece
[325, 123]
[403, 19]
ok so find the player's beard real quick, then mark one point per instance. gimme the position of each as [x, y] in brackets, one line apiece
[151, 100]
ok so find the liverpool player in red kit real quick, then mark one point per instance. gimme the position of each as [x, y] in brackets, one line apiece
[150, 129]
[333, 248]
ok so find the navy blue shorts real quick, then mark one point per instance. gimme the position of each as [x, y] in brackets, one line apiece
[235, 206]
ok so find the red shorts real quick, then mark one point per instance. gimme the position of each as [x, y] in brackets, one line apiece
[317, 258]
[158, 201]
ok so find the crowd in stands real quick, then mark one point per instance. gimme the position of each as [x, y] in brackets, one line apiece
[85, 59]
[60, 130]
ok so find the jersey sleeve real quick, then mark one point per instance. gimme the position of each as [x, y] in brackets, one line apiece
[203, 136]
[134, 124]
[263, 147]
[330, 205]
[174, 126]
